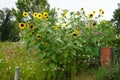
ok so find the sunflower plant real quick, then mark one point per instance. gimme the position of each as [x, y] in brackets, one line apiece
[67, 46]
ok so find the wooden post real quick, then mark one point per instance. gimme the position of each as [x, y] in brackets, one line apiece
[16, 76]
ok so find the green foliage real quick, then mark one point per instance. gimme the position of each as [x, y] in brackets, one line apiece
[116, 20]
[8, 30]
[69, 45]
[116, 17]
[108, 73]
[116, 42]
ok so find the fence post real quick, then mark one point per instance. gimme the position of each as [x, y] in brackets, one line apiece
[16, 76]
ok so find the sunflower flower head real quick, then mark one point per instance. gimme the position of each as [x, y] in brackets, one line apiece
[22, 25]
[94, 23]
[56, 27]
[35, 14]
[25, 14]
[90, 15]
[75, 33]
[64, 14]
[31, 26]
[39, 15]
[45, 15]
[66, 25]
[38, 36]
[82, 9]
[101, 11]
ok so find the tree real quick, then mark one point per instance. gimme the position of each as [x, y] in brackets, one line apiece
[7, 26]
[116, 22]
[116, 18]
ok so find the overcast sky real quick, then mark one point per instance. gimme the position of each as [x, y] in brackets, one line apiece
[73, 5]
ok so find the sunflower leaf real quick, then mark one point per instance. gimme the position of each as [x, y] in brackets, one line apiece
[59, 40]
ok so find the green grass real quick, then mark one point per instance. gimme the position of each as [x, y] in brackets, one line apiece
[15, 54]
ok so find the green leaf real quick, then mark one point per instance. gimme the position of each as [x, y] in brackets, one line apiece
[59, 40]
[73, 52]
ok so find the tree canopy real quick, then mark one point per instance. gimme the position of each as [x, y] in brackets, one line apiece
[116, 18]
[8, 30]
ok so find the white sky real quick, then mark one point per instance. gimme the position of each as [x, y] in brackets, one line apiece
[73, 5]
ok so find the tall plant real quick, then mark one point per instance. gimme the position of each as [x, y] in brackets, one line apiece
[67, 46]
